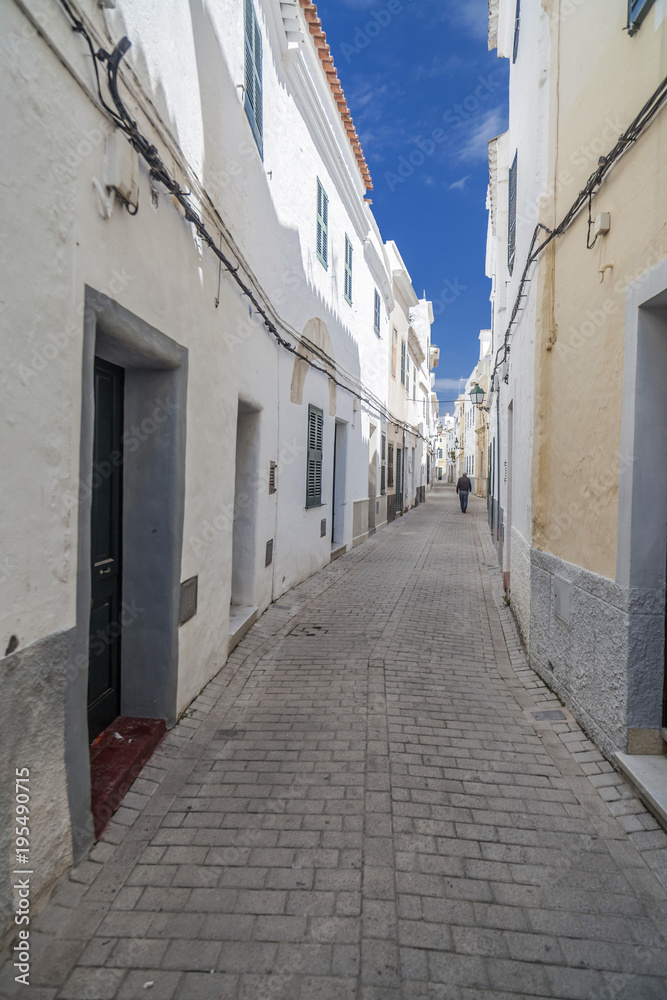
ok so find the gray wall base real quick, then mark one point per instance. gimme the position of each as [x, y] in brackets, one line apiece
[36, 681]
[599, 646]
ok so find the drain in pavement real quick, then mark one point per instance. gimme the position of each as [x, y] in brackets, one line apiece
[310, 630]
[552, 715]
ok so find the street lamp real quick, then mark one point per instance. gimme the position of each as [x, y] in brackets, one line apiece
[477, 395]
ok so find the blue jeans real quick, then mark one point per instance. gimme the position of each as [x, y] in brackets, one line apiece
[463, 497]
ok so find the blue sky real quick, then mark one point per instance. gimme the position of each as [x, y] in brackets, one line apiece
[426, 95]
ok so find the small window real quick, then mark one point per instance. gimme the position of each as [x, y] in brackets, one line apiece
[322, 226]
[402, 362]
[314, 461]
[253, 74]
[517, 26]
[511, 223]
[390, 466]
[348, 270]
[637, 11]
[376, 313]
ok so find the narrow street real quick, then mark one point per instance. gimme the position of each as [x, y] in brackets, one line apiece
[367, 803]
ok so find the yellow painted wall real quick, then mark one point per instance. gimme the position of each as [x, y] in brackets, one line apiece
[600, 79]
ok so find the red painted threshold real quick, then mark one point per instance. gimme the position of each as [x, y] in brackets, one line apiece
[116, 758]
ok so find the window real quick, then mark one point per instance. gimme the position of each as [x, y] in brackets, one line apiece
[511, 224]
[439, 452]
[383, 466]
[322, 225]
[517, 26]
[394, 351]
[348, 270]
[637, 11]
[402, 362]
[314, 461]
[376, 313]
[253, 73]
[390, 466]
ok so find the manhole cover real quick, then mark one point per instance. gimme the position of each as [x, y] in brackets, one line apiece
[552, 715]
[310, 630]
[230, 734]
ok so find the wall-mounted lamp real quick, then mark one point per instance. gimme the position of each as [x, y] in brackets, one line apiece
[477, 396]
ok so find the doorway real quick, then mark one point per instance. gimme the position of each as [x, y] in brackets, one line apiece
[134, 394]
[106, 548]
[339, 484]
[244, 543]
[372, 476]
[507, 547]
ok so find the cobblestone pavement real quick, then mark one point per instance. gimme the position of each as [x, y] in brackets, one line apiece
[363, 806]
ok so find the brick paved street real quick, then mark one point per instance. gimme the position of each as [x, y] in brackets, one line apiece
[363, 807]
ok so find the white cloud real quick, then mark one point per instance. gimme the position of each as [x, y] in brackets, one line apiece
[474, 16]
[474, 144]
[460, 184]
[447, 385]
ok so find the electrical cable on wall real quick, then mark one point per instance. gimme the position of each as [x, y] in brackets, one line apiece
[159, 172]
[585, 196]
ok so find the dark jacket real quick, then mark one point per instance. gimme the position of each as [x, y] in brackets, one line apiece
[464, 484]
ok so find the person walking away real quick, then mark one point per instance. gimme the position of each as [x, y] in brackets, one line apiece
[463, 488]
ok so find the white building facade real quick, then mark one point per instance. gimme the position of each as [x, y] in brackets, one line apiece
[196, 333]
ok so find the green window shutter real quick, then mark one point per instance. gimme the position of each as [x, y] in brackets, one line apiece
[322, 225]
[253, 74]
[314, 460]
[402, 362]
[511, 224]
[390, 465]
[348, 270]
[376, 312]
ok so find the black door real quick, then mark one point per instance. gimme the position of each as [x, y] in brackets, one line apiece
[664, 684]
[333, 493]
[105, 550]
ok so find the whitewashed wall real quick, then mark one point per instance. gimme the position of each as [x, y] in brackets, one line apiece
[181, 80]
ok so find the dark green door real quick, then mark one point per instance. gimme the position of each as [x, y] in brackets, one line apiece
[399, 481]
[105, 550]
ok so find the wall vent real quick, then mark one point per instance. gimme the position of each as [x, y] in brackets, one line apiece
[187, 607]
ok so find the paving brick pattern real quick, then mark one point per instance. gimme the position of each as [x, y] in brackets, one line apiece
[364, 807]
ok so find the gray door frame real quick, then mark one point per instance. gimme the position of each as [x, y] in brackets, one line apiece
[642, 494]
[153, 506]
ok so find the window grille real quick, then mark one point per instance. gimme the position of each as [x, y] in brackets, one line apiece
[348, 270]
[322, 225]
[253, 98]
[511, 224]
